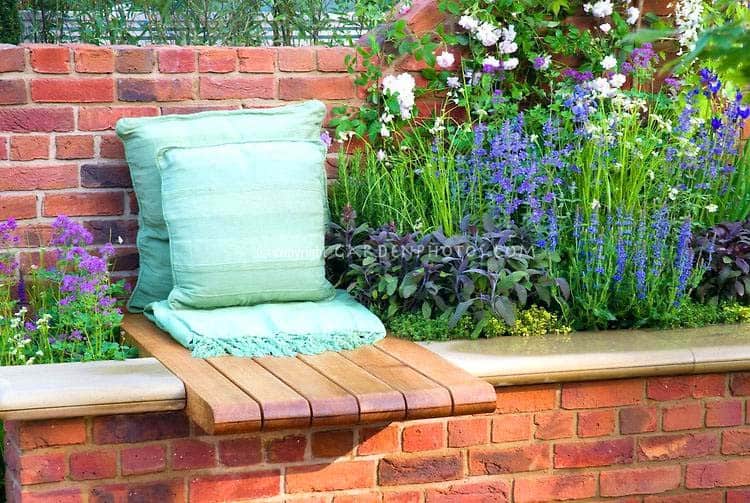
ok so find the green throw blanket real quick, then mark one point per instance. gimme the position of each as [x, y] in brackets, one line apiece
[282, 329]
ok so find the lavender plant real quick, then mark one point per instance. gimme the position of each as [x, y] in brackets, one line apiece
[67, 312]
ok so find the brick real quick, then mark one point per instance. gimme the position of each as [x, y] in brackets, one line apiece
[495, 491]
[368, 497]
[596, 423]
[4, 149]
[94, 59]
[332, 444]
[103, 118]
[735, 442]
[257, 59]
[91, 90]
[598, 394]
[39, 177]
[296, 59]
[17, 206]
[51, 433]
[511, 428]
[74, 146]
[682, 417]
[110, 147]
[695, 497]
[468, 431]
[134, 60]
[680, 446]
[555, 424]
[724, 413]
[316, 87]
[333, 59]
[286, 449]
[681, 387]
[378, 440]
[739, 384]
[190, 454]
[105, 231]
[652, 480]
[217, 60]
[105, 176]
[194, 109]
[402, 497]
[83, 204]
[176, 60]
[423, 437]
[224, 88]
[132, 202]
[658, 7]
[12, 58]
[60, 496]
[638, 420]
[40, 119]
[419, 470]
[733, 496]
[724, 473]
[12, 92]
[28, 148]
[50, 59]
[166, 491]
[240, 451]
[423, 17]
[158, 89]
[92, 465]
[594, 453]
[554, 488]
[41, 468]
[330, 476]
[134, 428]
[140, 460]
[494, 460]
[526, 398]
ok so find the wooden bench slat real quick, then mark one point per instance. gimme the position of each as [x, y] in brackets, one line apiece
[378, 402]
[213, 402]
[470, 394]
[330, 403]
[424, 397]
[281, 406]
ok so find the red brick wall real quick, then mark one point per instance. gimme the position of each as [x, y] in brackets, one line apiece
[59, 104]
[671, 439]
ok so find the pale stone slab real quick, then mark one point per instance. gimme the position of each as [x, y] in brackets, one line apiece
[109, 387]
[600, 355]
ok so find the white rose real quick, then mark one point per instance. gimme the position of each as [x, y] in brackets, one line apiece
[617, 80]
[510, 64]
[587, 8]
[633, 14]
[453, 82]
[445, 59]
[491, 62]
[601, 87]
[609, 62]
[384, 131]
[602, 8]
[488, 34]
[606, 27]
[508, 47]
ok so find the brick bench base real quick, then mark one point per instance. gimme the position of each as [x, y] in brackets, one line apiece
[676, 439]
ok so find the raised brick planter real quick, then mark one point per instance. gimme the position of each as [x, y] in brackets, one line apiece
[675, 439]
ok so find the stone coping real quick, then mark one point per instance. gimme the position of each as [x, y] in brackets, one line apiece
[89, 388]
[582, 356]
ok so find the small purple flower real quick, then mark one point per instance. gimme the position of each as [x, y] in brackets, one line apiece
[29, 326]
[325, 137]
[673, 82]
[23, 299]
[107, 250]
[716, 123]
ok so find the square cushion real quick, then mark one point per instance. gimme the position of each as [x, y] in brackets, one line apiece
[144, 137]
[246, 223]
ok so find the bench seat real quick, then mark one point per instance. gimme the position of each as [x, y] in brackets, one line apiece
[392, 380]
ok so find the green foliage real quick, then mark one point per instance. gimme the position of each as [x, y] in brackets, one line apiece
[530, 322]
[418, 328]
[10, 22]
[696, 315]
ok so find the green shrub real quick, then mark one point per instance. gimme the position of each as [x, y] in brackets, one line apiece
[10, 22]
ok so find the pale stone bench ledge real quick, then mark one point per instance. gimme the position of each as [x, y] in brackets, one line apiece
[86, 389]
[581, 356]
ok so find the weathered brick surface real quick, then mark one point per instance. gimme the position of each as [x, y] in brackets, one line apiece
[420, 469]
[555, 488]
[640, 481]
[53, 176]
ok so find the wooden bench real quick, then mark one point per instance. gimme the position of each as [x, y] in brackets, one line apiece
[390, 381]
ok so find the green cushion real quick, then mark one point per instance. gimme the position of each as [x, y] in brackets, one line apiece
[246, 223]
[271, 329]
[144, 137]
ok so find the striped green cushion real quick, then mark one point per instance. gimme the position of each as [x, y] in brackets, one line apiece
[246, 223]
[144, 137]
